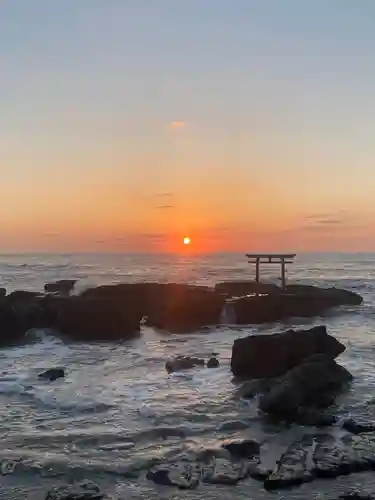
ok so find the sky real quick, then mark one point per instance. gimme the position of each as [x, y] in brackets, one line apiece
[246, 125]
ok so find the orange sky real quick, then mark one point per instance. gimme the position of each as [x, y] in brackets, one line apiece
[250, 128]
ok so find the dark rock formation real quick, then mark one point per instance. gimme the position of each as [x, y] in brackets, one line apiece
[259, 309]
[168, 306]
[182, 363]
[86, 490]
[94, 319]
[184, 475]
[323, 456]
[242, 288]
[356, 495]
[52, 374]
[213, 362]
[360, 418]
[269, 356]
[61, 286]
[314, 383]
[242, 448]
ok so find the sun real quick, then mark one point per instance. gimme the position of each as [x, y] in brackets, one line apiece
[187, 240]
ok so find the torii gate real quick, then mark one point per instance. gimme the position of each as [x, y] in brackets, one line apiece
[271, 258]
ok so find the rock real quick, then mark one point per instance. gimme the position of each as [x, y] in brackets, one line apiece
[361, 418]
[305, 386]
[3, 292]
[182, 363]
[183, 476]
[13, 325]
[356, 495]
[323, 456]
[293, 467]
[52, 374]
[60, 286]
[173, 307]
[242, 448]
[222, 471]
[93, 319]
[241, 288]
[81, 491]
[213, 363]
[297, 301]
[357, 426]
[269, 356]
[313, 417]
[251, 388]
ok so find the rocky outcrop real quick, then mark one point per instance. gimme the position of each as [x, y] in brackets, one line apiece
[313, 384]
[114, 312]
[295, 301]
[167, 306]
[92, 319]
[242, 288]
[322, 456]
[269, 356]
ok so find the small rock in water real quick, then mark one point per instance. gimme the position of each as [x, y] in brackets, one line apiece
[52, 374]
[86, 490]
[242, 448]
[183, 476]
[182, 363]
[213, 363]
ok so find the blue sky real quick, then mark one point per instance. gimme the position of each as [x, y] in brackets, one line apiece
[275, 101]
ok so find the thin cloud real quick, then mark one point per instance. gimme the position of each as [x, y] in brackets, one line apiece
[175, 125]
[166, 194]
[164, 207]
[333, 218]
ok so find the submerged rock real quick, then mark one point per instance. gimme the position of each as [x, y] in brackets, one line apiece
[312, 384]
[52, 374]
[269, 356]
[182, 363]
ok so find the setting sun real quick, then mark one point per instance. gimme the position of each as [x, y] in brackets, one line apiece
[187, 240]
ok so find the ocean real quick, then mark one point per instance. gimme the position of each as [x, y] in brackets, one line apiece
[117, 410]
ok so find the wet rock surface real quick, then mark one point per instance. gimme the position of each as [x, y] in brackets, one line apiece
[312, 384]
[270, 356]
[52, 374]
[85, 490]
[114, 312]
[356, 495]
[183, 363]
[60, 286]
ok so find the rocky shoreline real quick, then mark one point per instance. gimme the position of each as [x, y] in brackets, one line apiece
[298, 385]
[115, 312]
